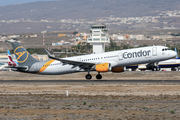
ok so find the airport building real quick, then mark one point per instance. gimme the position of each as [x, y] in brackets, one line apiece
[40, 57]
[98, 38]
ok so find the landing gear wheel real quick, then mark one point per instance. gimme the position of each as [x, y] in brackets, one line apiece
[157, 69]
[173, 69]
[88, 76]
[98, 76]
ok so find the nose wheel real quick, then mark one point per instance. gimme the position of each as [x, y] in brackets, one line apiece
[88, 76]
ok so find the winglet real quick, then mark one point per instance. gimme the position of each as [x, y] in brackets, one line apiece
[177, 54]
[48, 54]
[8, 52]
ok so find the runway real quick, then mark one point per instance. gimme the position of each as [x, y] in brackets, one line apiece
[119, 101]
[126, 77]
[89, 81]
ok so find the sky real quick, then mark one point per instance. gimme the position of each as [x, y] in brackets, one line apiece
[11, 2]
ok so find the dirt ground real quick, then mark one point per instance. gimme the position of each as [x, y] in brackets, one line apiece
[90, 101]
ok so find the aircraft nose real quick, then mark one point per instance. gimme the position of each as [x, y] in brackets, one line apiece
[173, 54]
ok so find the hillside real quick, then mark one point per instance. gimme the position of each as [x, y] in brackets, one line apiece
[86, 9]
[66, 15]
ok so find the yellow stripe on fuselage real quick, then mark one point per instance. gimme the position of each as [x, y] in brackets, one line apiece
[45, 66]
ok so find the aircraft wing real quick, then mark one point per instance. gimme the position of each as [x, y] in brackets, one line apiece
[72, 62]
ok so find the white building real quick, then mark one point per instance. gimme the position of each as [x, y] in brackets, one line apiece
[121, 37]
[98, 38]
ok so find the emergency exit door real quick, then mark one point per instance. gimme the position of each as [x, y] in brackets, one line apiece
[154, 51]
[120, 56]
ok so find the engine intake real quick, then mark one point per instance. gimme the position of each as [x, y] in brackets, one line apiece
[105, 67]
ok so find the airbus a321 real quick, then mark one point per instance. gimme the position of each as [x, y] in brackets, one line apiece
[103, 62]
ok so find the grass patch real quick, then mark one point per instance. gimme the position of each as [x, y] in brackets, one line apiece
[172, 111]
[84, 103]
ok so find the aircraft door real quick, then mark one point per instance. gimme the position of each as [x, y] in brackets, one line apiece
[120, 56]
[154, 51]
[37, 67]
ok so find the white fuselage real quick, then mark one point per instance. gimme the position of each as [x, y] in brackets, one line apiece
[115, 58]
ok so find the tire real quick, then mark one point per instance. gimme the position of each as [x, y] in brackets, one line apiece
[88, 77]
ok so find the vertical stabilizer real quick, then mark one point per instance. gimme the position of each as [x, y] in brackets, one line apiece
[10, 60]
[23, 57]
[177, 54]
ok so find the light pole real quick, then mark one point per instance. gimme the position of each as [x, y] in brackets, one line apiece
[43, 32]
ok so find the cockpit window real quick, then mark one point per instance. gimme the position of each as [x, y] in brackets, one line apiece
[165, 49]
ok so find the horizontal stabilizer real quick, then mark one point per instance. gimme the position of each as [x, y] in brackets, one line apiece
[16, 67]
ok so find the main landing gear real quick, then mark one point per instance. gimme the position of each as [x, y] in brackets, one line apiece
[155, 69]
[89, 76]
[98, 76]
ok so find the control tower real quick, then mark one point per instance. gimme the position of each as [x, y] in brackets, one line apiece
[98, 38]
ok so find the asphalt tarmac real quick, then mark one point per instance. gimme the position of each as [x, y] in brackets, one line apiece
[89, 81]
[109, 77]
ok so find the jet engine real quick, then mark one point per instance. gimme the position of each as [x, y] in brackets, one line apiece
[118, 69]
[105, 67]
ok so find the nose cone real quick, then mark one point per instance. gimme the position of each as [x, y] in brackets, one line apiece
[173, 54]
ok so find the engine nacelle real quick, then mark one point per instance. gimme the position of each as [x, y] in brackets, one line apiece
[105, 67]
[118, 69]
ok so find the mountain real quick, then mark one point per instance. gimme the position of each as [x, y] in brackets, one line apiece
[86, 9]
[13, 18]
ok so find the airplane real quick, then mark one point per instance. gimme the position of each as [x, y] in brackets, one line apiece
[113, 61]
[3, 63]
[8, 62]
[170, 63]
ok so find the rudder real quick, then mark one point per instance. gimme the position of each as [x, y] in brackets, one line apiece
[23, 57]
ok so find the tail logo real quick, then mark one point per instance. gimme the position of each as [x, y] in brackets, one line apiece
[21, 54]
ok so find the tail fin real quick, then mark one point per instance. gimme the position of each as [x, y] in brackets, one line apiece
[22, 56]
[10, 60]
[177, 54]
